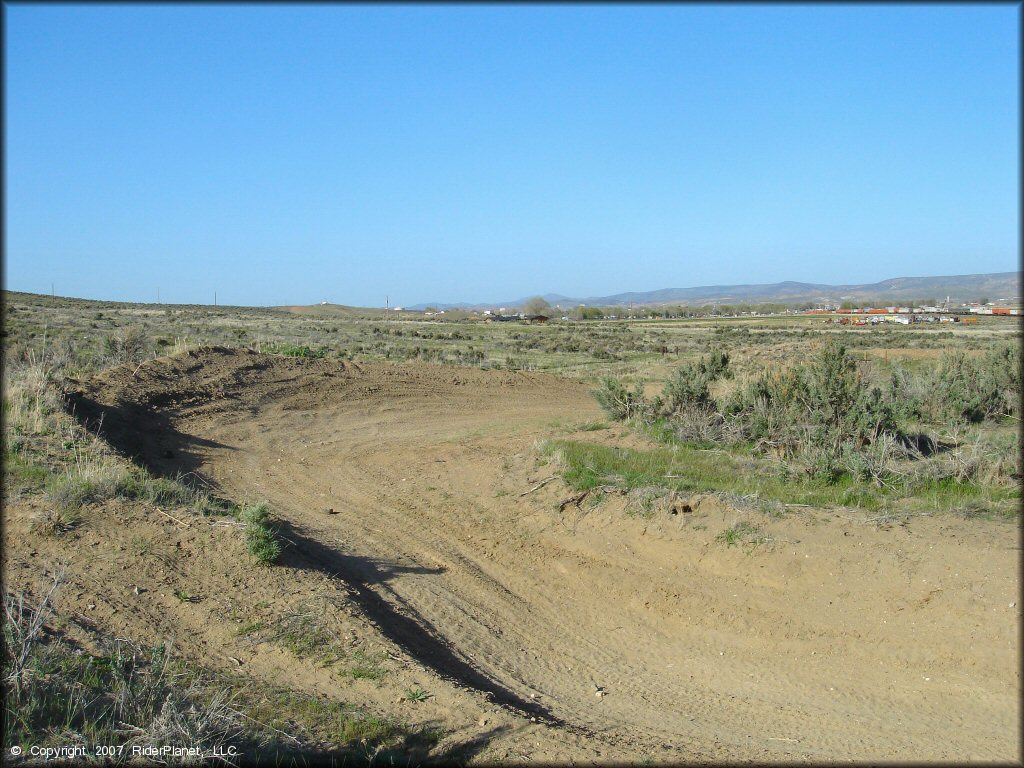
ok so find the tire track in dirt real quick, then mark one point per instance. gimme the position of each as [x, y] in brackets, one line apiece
[498, 625]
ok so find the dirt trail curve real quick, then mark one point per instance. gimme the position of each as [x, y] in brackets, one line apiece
[838, 641]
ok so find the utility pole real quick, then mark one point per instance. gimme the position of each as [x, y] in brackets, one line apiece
[51, 290]
[387, 306]
[215, 298]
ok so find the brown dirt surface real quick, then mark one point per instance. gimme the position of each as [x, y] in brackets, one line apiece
[587, 633]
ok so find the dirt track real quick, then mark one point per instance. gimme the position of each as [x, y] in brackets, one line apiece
[837, 641]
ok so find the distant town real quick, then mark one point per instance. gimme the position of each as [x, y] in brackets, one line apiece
[844, 313]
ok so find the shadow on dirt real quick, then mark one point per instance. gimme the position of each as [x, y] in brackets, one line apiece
[366, 582]
[462, 753]
[308, 554]
[413, 750]
[143, 434]
[149, 437]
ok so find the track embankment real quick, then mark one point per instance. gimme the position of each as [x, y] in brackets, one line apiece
[408, 488]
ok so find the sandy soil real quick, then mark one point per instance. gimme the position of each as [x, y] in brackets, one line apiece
[587, 634]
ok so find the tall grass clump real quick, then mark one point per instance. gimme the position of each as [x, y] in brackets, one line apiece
[126, 694]
[97, 475]
[59, 695]
[260, 534]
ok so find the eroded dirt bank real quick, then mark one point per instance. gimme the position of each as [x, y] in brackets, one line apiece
[403, 488]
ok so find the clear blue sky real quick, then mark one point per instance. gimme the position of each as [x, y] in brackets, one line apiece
[282, 154]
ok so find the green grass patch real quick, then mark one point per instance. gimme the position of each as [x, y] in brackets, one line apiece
[743, 532]
[689, 469]
[303, 631]
[108, 478]
[260, 534]
[22, 475]
[365, 665]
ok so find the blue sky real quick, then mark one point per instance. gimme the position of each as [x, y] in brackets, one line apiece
[289, 154]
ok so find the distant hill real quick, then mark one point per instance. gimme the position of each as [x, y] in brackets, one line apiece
[994, 285]
[321, 310]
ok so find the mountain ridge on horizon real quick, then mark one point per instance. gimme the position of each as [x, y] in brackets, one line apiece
[995, 285]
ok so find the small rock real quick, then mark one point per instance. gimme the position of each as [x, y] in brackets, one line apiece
[482, 721]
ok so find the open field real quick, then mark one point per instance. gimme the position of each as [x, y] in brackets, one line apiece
[477, 563]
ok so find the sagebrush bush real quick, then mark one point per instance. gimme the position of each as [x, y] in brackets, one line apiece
[975, 389]
[830, 418]
[128, 345]
[689, 387]
[619, 402]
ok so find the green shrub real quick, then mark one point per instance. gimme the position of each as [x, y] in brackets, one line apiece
[690, 385]
[959, 388]
[974, 390]
[1004, 368]
[618, 402]
[128, 345]
[829, 390]
[293, 350]
[260, 535]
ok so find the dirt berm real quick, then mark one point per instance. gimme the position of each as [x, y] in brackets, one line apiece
[585, 633]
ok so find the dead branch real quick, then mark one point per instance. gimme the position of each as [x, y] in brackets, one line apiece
[540, 485]
[575, 499]
[180, 522]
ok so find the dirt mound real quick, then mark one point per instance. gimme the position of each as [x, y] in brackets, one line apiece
[137, 407]
[408, 489]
